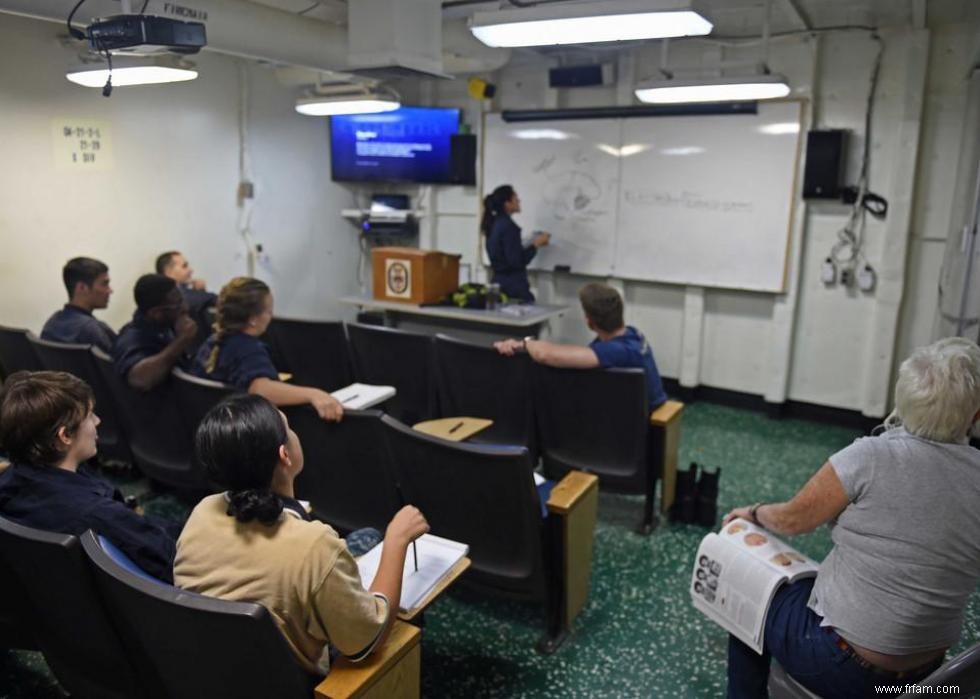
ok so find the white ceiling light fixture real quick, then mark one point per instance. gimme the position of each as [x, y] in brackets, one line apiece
[337, 100]
[586, 23]
[127, 71]
[727, 89]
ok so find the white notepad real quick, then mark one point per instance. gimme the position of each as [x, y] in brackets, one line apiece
[359, 396]
[436, 555]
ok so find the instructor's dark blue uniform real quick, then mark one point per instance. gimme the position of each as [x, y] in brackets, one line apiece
[509, 258]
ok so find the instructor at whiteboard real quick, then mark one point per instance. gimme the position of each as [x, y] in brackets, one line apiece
[508, 256]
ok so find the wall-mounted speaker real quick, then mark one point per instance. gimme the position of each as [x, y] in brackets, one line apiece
[462, 157]
[823, 174]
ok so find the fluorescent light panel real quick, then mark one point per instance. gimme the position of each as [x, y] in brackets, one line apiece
[334, 106]
[124, 76]
[611, 20]
[757, 87]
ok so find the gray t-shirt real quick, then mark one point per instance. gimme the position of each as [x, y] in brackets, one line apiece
[906, 553]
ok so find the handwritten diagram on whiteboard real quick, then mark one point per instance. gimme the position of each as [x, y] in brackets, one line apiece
[568, 187]
[700, 200]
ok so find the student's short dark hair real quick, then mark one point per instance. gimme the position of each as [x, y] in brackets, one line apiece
[151, 290]
[164, 260]
[238, 444]
[603, 305]
[81, 269]
[34, 405]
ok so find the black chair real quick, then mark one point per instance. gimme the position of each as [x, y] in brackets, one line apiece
[396, 358]
[78, 360]
[348, 476]
[481, 495]
[158, 436]
[196, 396]
[961, 671]
[68, 619]
[16, 351]
[194, 646]
[597, 421]
[15, 619]
[314, 352]
[477, 381]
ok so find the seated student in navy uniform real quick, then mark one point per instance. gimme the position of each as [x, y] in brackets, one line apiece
[48, 427]
[235, 355]
[87, 283]
[158, 337]
[174, 265]
[616, 345]
[200, 301]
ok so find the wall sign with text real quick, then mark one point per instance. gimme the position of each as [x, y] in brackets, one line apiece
[81, 144]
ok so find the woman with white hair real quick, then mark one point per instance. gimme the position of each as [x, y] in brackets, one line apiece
[904, 507]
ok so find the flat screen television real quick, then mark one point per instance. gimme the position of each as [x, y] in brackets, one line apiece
[410, 144]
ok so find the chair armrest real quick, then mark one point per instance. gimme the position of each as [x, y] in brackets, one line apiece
[393, 670]
[666, 413]
[573, 505]
[570, 491]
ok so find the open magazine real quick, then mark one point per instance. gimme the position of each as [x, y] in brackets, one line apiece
[736, 574]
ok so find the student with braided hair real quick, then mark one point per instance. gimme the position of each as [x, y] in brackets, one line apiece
[235, 355]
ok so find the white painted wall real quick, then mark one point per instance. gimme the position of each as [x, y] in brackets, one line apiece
[829, 346]
[173, 184]
[176, 169]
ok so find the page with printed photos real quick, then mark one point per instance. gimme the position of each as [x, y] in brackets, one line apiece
[736, 574]
[767, 548]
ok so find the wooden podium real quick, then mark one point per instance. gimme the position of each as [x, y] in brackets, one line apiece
[410, 275]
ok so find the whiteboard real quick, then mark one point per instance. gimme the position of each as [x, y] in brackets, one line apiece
[568, 185]
[699, 200]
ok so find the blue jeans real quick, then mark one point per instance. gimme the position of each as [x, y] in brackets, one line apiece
[809, 653]
[360, 541]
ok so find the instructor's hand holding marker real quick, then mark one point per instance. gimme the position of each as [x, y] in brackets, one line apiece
[541, 239]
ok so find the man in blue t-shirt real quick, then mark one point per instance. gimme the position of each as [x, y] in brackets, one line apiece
[616, 345]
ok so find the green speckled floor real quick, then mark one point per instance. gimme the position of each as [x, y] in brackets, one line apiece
[639, 635]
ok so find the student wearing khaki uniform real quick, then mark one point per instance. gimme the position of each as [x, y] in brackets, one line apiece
[256, 543]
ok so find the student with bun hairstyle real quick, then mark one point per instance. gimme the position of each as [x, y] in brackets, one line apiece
[508, 256]
[235, 355]
[256, 543]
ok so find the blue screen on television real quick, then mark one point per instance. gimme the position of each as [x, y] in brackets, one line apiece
[410, 144]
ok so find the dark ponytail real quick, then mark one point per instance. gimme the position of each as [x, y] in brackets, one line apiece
[246, 505]
[493, 206]
[238, 444]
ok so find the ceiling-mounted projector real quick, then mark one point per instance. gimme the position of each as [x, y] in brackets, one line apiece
[145, 35]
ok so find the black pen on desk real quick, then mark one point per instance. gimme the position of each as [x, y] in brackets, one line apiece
[415, 555]
[455, 427]
[348, 399]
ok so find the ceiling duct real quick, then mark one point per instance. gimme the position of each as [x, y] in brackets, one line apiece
[391, 39]
[250, 30]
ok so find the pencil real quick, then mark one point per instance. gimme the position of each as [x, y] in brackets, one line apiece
[455, 427]
[415, 555]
